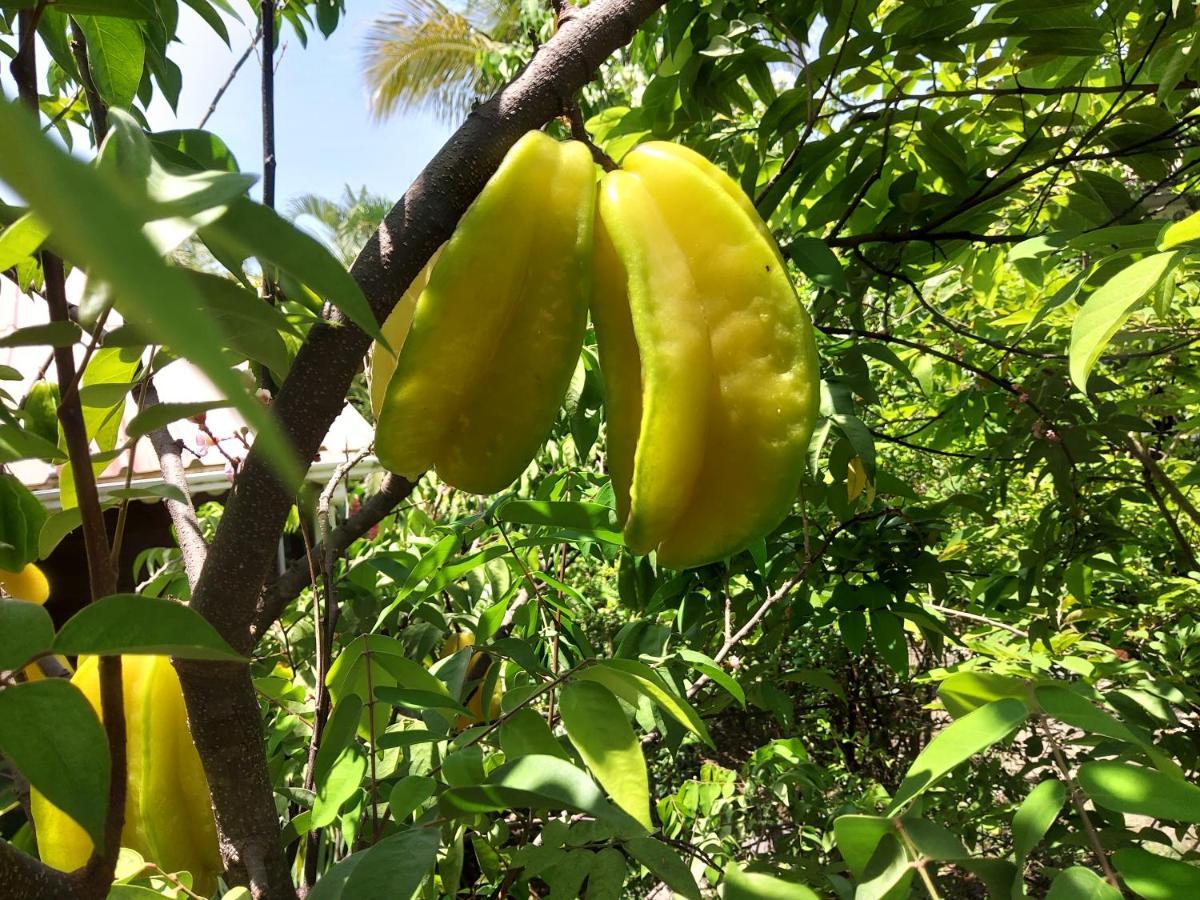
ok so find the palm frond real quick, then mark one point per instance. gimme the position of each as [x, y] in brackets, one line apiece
[423, 56]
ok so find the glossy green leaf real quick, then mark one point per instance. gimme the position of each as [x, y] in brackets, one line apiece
[51, 334]
[116, 54]
[598, 728]
[738, 884]
[1155, 877]
[1181, 232]
[251, 229]
[341, 782]
[1078, 883]
[1036, 814]
[961, 740]
[132, 624]
[94, 225]
[391, 869]
[525, 732]
[337, 735]
[408, 795]
[964, 692]
[1106, 310]
[664, 863]
[25, 629]
[54, 738]
[630, 680]
[588, 521]
[1136, 790]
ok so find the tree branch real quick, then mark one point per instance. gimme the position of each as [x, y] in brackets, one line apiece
[296, 578]
[183, 515]
[222, 706]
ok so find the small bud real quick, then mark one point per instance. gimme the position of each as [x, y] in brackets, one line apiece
[263, 396]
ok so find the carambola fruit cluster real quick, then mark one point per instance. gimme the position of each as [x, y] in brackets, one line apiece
[708, 357]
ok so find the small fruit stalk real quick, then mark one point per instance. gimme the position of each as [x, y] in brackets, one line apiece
[709, 361]
[168, 819]
[496, 333]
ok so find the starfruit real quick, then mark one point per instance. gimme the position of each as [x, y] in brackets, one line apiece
[708, 358]
[27, 584]
[496, 334]
[168, 819]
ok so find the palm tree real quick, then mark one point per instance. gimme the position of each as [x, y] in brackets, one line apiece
[425, 55]
[346, 223]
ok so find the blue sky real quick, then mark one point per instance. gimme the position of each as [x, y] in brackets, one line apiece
[325, 137]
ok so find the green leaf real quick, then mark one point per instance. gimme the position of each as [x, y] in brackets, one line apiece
[341, 782]
[887, 631]
[538, 782]
[857, 836]
[713, 670]
[154, 417]
[813, 257]
[418, 699]
[102, 390]
[17, 444]
[1036, 814]
[393, 869]
[54, 738]
[957, 743]
[1078, 883]
[51, 334]
[598, 728]
[408, 795]
[1106, 310]
[1155, 877]
[21, 521]
[21, 240]
[337, 735]
[25, 629]
[525, 732]
[887, 873]
[665, 865]
[588, 521]
[116, 54]
[95, 227]
[1126, 788]
[738, 884]
[251, 229]
[630, 680]
[132, 624]
[1181, 232]
[964, 692]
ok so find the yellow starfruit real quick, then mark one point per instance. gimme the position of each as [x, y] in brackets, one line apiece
[168, 819]
[496, 334]
[708, 358]
[27, 584]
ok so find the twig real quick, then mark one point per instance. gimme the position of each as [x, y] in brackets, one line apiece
[212, 107]
[1077, 799]
[974, 617]
[295, 578]
[1151, 464]
[96, 107]
[918, 859]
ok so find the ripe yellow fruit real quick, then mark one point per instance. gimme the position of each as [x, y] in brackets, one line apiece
[457, 641]
[496, 334]
[28, 584]
[395, 329]
[168, 819]
[708, 357]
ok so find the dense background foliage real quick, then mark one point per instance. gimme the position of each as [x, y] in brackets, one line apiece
[967, 664]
